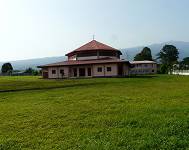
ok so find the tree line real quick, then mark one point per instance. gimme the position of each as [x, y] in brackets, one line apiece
[7, 69]
[167, 57]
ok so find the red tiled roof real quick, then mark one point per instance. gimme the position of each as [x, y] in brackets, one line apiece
[84, 62]
[93, 45]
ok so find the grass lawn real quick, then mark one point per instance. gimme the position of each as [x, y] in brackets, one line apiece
[113, 113]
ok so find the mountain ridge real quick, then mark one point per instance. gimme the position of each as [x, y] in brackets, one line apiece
[183, 48]
[128, 53]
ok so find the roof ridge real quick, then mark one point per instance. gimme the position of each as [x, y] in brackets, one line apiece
[93, 45]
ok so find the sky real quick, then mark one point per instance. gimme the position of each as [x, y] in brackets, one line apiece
[46, 28]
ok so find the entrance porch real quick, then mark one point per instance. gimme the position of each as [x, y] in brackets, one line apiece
[79, 72]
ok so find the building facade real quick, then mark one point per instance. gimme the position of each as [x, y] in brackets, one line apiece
[93, 59]
[143, 67]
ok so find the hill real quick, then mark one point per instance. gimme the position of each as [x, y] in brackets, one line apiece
[33, 63]
[128, 53]
[183, 47]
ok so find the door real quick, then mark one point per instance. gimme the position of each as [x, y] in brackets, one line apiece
[81, 72]
[120, 70]
[75, 72]
[89, 71]
[45, 75]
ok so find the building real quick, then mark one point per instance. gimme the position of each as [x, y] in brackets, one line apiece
[93, 59]
[143, 67]
[96, 59]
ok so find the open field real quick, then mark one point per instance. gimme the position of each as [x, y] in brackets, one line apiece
[125, 113]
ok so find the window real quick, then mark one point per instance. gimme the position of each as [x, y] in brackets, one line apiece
[109, 69]
[53, 71]
[99, 69]
[62, 71]
[81, 72]
[107, 53]
[87, 54]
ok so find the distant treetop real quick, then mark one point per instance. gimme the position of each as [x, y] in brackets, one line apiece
[145, 54]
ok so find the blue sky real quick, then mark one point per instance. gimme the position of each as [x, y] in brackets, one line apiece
[45, 28]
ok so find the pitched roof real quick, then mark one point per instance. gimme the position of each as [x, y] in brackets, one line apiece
[93, 45]
[84, 62]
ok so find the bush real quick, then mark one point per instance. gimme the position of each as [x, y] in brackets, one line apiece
[164, 69]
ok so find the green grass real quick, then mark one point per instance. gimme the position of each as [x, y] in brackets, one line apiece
[113, 113]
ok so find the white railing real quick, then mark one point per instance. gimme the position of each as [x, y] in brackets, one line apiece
[181, 72]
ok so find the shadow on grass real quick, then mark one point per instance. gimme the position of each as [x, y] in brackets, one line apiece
[53, 87]
[90, 84]
[143, 76]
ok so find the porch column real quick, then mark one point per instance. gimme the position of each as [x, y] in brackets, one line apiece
[86, 71]
[69, 72]
[77, 72]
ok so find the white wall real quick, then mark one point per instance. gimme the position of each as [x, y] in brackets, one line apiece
[51, 76]
[126, 70]
[144, 69]
[181, 72]
[58, 74]
[114, 70]
[66, 72]
[108, 57]
[87, 58]
[93, 57]
[94, 71]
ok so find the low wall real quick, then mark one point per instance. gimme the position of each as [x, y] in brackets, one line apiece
[181, 72]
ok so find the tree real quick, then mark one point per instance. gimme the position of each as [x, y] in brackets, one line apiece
[163, 69]
[7, 68]
[138, 57]
[168, 56]
[145, 54]
[185, 61]
[35, 73]
[31, 71]
[184, 64]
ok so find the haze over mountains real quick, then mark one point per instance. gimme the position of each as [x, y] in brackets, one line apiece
[33, 63]
[128, 53]
[183, 48]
